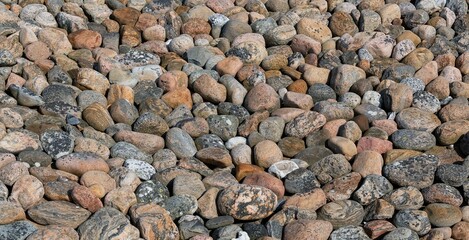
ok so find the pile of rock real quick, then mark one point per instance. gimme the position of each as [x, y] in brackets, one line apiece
[234, 119]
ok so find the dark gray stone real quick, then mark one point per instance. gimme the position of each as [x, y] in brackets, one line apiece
[151, 191]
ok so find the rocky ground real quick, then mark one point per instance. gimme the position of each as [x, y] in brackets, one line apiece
[234, 119]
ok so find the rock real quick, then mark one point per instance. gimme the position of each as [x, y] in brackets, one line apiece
[265, 180]
[180, 205]
[80, 163]
[11, 212]
[413, 140]
[12, 172]
[443, 215]
[417, 119]
[108, 222]
[367, 163]
[304, 124]
[342, 188]
[57, 143]
[17, 230]
[180, 143]
[230, 202]
[16, 142]
[344, 146]
[54, 232]
[415, 171]
[452, 174]
[282, 168]
[344, 76]
[151, 191]
[401, 233]
[405, 198]
[317, 229]
[215, 156]
[349, 232]
[342, 213]
[27, 191]
[377, 228]
[313, 29]
[449, 132]
[416, 220]
[84, 197]
[143, 169]
[267, 153]
[60, 213]
[330, 167]
[373, 188]
[459, 230]
[442, 193]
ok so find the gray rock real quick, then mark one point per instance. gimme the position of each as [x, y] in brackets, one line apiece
[416, 171]
[180, 142]
[151, 191]
[87, 97]
[180, 205]
[320, 92]
[219, 222]
[3, 192]
[405, 198]
[372, 188]
[97, 12]
[262, 26]
[57, 143]
[342, 213]
[426, 101]
[401, 233]
[19, 230]
[369, 21]
[143, 169]
[272, 128]
[227, 108]
[199, 55]
[452, 174]
[330, 167]
[25, 97]
[413, 139]
[227, 232]
[224, 126]
[151, 123]
[415, 18]
[127, 150]
[301, 181]
[414, 83]
[108, 223]
[190, 226]
[371, 112]
[35, 158]
[349, 232]
[30, 11]
[416, 220]
[6, 58]
[57, 92]
[209, 140]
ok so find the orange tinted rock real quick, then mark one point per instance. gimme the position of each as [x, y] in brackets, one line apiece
[85, 39]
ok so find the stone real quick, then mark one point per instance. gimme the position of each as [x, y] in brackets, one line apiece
[108, 222]
[180, 143]
[349, 232]
[341, 145]
[317, 229]
[372, 188]
[12, 172]
[11, 212]
[401, 232]
[304, 124]
[80, 163]
[413, 140]
[443, 215]
[314, 29]
[143, 169]
[16, 142]
[60, 213]
[442, 193]
[417, 119]
[415, 171]
[230, 202]
[151, 191]
[126, 150]
[330, 167]
[27, 191]
[449, 132]
[342, 188]
[367, 163]
[405, 198]
[342, 213]
[266, 180]
[17, 230]
[416, 220]
[84, 197]
[267, 153]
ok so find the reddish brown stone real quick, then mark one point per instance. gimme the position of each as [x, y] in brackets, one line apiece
[266, 180]
[82, 196]
[376, 228]
[85, 39]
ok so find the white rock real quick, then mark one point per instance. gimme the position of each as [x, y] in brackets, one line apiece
[143, 169]
[235, 141]
[283, 168]
[372, 97]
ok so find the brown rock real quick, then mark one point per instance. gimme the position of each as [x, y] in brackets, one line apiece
[196, 26]
[97, 116]
[80, 163]
[343, 146]
[310, 201]
[442, 193]
[304, 124]
[342, 187]
[244, 202]
[210, 89]
[443, 215]
[91, 145]
[439, 87]
[428, 72]
[307, 229]
[373, 144]
[244, 169]
[37, 51]
[12, 172]
[16, 142]
[195, 127]
[153, 221]
[390, 126]
[58, 212]
[54, 232]
[120, 92]
[27, 191]
[84, 197]
[398, 97]
[130, 35]
[59, 190]
[215, 156]
[177, 97]
[230, 65]
[298, 100]
[377, 228]
[262, 97]
[85, 39]
[126, 15]
[399, 154]
[148, 143]
[368, 162]
[251, 123]
[450, 132]
[208, 204]
[89, 79]
[314, 29]
[418, 58]
[452, 112]
[460, 230]
[11, 212]
[266, 180]
[304, 44]
[121, 198]
[267, 153]
[342, 23]
[91, 178]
